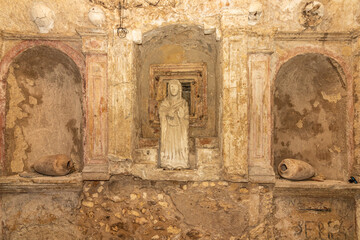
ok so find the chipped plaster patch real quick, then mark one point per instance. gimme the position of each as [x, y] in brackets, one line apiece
[19, 155]
[299, 124]
[16, 97]
[316, 103]
[32, 100]
[333, 98]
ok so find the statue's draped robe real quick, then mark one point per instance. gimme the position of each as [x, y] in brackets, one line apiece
[174, 120]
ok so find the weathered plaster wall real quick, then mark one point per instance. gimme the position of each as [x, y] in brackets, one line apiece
[44, 109]
[309, 109]
[229, 206]
[145, 15]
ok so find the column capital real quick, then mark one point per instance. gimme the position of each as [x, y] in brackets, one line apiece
[94, 41]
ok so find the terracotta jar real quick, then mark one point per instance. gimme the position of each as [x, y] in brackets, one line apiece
[294, 169]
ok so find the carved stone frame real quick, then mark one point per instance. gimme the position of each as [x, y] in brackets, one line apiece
[193, 73]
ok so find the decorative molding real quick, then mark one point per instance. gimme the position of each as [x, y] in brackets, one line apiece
[258, 77]
[96, 99]
[94, 41]
[7, 35]
[260, 169]
[96, 172]
[43, 184]
[259, 44]
[193, 77]
[314, 36]
[328, 188]
[94, 46]
[86, 32]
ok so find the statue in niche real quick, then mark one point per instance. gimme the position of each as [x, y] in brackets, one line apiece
[174, 122]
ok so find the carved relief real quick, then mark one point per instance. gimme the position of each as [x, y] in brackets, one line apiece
[255, 12]
[96, 16]
[334, 219]
[312, 14]
[43, 17]
[174, 120]
[193, 78]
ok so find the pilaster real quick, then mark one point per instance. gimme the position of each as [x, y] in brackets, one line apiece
[94, 46]
[259, 50]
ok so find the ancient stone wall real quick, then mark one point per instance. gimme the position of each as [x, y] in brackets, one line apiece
[257, 92]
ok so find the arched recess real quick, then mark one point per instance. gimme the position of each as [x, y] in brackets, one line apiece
[45, 95]
[311, 114]
[186, 53]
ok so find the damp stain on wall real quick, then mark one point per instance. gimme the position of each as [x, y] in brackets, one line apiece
[44, 109]
[309, 110]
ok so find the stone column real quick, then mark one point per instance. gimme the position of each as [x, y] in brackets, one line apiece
[94, 46]
[121, 88]
[235, 107]
[260, 167]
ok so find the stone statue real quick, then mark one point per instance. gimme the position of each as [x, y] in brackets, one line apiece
[43, 17]
[97, 16]
[174, 121]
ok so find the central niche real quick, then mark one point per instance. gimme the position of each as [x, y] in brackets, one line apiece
[43, 109]
[310, 114]
[184, 53]
[187, 54]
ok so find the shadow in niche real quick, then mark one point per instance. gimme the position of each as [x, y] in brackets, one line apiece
[44, 113]
[310, 108]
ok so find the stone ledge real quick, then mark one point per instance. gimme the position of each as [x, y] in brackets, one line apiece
[8, 35]
[314, 36]
[316, 189]
[152, 172]
[43, 184]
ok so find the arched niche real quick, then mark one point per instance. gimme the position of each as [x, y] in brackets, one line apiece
[186, 53]
[310, 114]
[44, 114]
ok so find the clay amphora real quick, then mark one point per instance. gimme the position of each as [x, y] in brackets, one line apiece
[294, 169]
[54, 165]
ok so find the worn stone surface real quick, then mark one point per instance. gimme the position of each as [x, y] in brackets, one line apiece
[131, 208]
[314, 218]
[39, 216]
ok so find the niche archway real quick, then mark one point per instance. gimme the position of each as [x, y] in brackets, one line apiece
[44, 113]
[310, 114]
